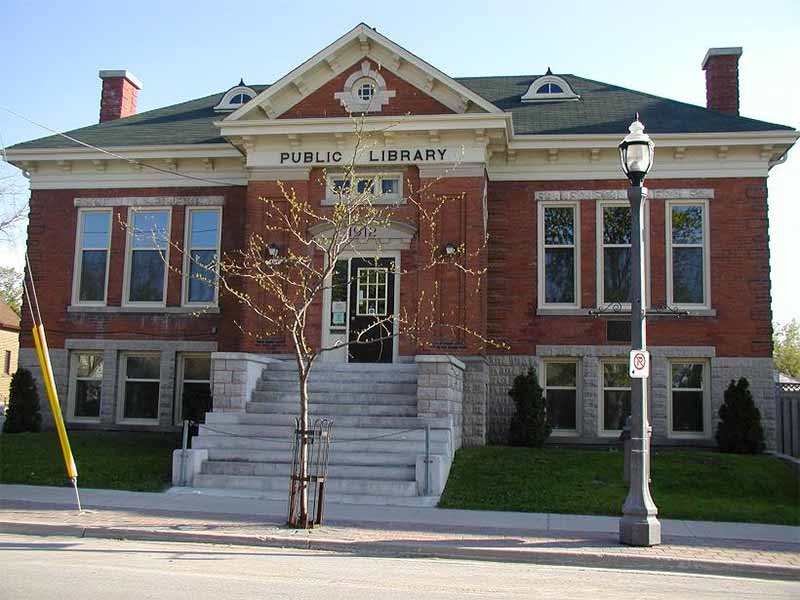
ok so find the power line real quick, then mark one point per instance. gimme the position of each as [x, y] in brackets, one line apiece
[117, 156]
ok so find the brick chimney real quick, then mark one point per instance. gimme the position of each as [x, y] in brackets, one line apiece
[722, 79]
[118, 98]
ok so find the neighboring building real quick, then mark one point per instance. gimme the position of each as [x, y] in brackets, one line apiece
[535, 157]
[9, 350]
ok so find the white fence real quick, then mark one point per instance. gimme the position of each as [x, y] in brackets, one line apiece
[787, 422]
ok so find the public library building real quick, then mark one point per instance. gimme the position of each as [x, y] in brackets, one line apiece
[532, 163]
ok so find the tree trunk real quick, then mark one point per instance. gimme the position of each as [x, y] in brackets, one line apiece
[304, 517]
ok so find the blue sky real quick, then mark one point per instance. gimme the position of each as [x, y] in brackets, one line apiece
[183, 50]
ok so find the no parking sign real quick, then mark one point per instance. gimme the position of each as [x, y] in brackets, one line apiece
[640, 364]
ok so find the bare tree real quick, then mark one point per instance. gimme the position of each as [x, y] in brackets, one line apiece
[13, 206]
[283, 287]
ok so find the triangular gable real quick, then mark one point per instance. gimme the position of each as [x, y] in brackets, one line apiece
[330, 100]
[359, 43]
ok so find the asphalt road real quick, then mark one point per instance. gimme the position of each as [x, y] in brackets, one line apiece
[69, 568]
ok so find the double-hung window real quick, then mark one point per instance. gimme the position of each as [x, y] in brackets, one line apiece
[559, 255]
[614, 254]
[689, 406]
[561, 394]
[202, 255]
[148, 251]
[85, 386]
[91, 259]
[616, 397]
[687, 254]
[140, 385]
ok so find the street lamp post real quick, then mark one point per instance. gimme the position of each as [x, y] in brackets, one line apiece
[638, 525]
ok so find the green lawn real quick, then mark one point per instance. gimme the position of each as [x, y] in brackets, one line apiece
[686, 484]
[111, 460]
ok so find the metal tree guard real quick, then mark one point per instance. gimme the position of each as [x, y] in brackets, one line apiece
[318, 440]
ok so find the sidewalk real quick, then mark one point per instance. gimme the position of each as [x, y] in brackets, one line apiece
[767, 551]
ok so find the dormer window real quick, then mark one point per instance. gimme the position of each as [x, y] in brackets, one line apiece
[241, 98]
[235, 97]
[364, 91]
[549, 88]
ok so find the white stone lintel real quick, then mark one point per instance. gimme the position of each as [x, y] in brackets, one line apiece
[622, 194]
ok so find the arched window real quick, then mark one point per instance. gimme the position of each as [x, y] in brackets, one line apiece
[549, 88]
[235, 97]
[240, 98]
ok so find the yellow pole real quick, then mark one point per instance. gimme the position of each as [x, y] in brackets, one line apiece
[49, 383]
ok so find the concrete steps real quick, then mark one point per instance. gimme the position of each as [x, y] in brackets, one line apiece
[337, 471]
[377, 437]
[334, 410]
[359, 487]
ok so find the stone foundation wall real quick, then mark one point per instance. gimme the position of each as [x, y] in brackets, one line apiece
[234, 376]
[503, 369]
[476, 382]
[759, 372]
[499, 407]
[111, 391]
[440, 390]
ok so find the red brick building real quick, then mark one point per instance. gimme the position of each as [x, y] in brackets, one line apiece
[533, 163]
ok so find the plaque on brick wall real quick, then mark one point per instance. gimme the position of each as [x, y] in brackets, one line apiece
[618, 331]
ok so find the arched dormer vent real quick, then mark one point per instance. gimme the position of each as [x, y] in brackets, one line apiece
[235, 97]
[549, 88]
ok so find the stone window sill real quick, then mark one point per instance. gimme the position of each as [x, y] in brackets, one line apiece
[181, 310]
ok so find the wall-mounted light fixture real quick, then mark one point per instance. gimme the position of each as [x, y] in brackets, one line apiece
[273, 250]
[449, 249]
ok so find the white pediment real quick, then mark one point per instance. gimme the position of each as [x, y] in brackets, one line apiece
[359, 43]
[395, 235]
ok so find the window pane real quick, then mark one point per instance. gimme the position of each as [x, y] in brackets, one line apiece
[96, 229]
[559, 226]
[617, 225]
[93, 276]
[196, 401]
[147, 276]
[141, 400]
[559, 274]
[687, 224]
[687, 275]
[150, 229]
[201, 280]
[390, 186]
[687, 375]
[90, 365]
[205, 225]
[561, 408]
[617, 274]
[616, 375]
[364, 185]
[687, 411]
[143, 367]
[561, 374]
[197, 367]
[616, 407]
[87, 398]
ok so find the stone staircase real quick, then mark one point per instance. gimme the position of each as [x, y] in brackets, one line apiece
[378, 447]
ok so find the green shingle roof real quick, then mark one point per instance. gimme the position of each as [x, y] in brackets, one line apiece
[602, 108]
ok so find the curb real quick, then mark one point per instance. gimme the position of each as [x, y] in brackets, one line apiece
[412, 549]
